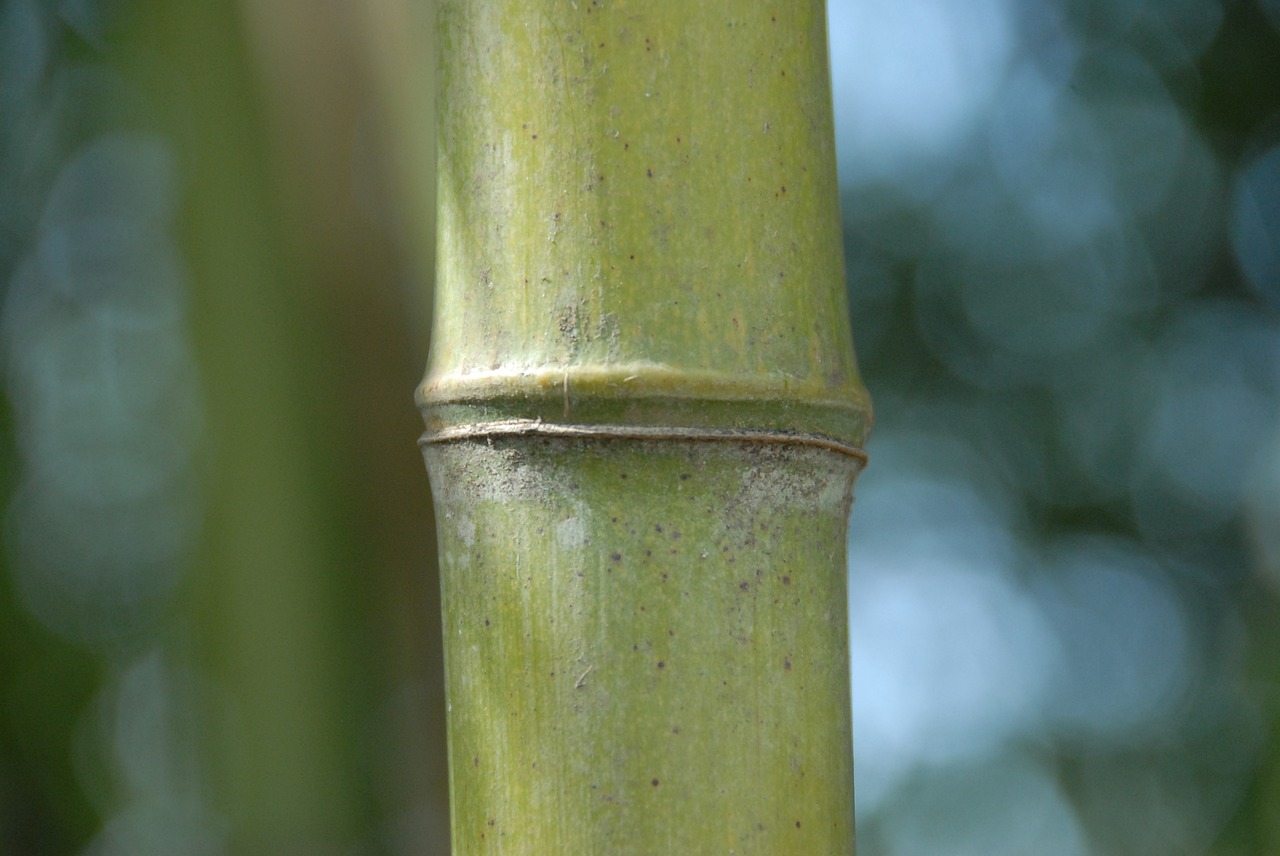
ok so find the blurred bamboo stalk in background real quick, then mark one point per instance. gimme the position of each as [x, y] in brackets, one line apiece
[644, 421]
[312, 587]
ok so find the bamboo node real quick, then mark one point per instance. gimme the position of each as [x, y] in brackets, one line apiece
[487, 431]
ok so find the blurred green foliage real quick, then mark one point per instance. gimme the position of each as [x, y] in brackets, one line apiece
[1062, 236]
[225, 626]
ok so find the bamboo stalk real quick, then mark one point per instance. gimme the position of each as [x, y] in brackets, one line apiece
[644, 421]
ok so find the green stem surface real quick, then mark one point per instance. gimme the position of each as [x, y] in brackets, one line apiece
[644, 421]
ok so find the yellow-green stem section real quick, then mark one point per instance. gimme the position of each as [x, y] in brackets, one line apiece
[646, 646]
[638, 205]
[644, 419]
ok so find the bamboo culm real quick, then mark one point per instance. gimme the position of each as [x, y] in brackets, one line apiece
[644, 423]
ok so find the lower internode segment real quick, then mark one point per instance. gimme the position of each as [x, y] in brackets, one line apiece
[646, 645]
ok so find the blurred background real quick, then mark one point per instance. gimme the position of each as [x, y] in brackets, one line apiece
[1062, 223]
[219, 624]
